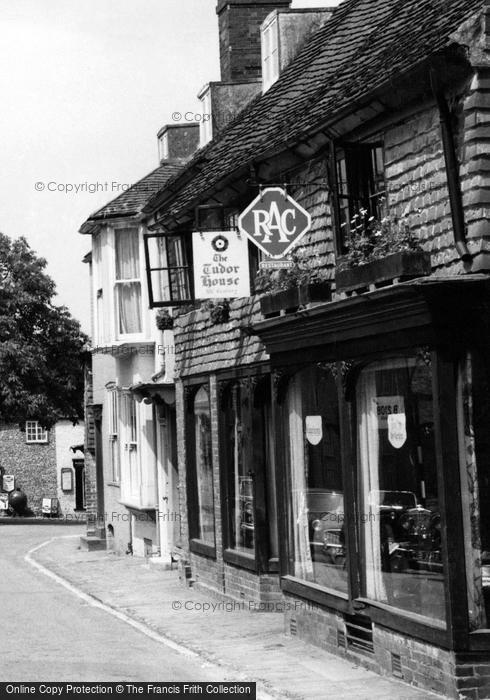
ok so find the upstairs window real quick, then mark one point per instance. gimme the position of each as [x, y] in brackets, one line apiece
[35, 433]
[128, 282]
[360, 186]
[168, 270]
[206, 123]
[270, 54]
[163, 146]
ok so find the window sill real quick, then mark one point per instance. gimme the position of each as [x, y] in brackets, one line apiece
[418, 626]
[326, 597]
[241, 559]
[199, 547]
[479, 640]
[134, 505]
[122, 347]
[114, 483]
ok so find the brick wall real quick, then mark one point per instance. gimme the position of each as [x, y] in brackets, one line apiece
[33, 465]
[458, 676]
[239, 36]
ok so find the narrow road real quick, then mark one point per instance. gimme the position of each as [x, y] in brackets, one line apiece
[49, 634]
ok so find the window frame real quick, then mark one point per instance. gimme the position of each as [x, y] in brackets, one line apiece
[41, 434]
[186, 269]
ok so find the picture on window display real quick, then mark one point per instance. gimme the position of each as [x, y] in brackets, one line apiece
[400, 520]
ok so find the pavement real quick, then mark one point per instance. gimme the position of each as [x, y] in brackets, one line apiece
[242, 644]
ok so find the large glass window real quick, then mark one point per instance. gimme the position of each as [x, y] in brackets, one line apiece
[204, 466]
[128, 283]
[474, 440]
[317, 490]
[241, 476]
[399, 519]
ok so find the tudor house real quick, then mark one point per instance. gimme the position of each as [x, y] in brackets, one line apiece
[332, 438]
[130, 440]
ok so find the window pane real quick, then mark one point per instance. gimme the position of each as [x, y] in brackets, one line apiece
[317, 491]
[127, 254]
[129, 307]
[400, 522]
[204, 466]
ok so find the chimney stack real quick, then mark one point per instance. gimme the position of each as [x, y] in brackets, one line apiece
[239, 36]
[177, 142]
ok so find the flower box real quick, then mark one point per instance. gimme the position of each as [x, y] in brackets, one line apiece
[407, 264]
[290, 300]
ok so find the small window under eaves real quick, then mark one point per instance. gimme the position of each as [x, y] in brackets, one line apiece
[270, 53]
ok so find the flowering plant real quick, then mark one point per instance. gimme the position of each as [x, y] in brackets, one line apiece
[302, 272]
[370, 239]
[164, 320]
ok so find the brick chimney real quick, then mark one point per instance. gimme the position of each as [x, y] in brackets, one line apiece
[239, 36]
[177, 142]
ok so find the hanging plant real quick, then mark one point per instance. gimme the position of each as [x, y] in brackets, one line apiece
[165, 321]
[219, 311]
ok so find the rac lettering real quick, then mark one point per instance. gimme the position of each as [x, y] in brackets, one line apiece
[274, 222]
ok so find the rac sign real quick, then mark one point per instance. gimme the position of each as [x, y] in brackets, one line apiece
[274, 222]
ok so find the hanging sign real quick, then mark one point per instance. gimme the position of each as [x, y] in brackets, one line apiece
[386, 406]
[8, 482]
[274, 222]
[397, 429]
[314, 430]
[221, 269]
[276, 264]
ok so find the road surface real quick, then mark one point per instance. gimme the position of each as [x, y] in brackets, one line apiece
[49, 634]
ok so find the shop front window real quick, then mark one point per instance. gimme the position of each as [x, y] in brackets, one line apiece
[474, 440]
[316, 488]
[399, 519]
[241, 477]
[204, 466]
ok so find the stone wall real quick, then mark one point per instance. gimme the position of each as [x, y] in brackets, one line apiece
[33, 465]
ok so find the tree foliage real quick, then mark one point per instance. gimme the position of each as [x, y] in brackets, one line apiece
[42, 348]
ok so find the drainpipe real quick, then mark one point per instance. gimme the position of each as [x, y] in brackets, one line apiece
[452, 169]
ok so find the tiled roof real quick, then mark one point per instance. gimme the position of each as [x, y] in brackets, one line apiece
[364, 46]
[132, 200]
[202, 347]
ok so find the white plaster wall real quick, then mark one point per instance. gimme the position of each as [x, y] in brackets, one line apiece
[66, 435]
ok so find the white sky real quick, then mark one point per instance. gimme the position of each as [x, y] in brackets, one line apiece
[85, 85]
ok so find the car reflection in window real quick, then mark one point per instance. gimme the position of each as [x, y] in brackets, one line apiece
[326, 524]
